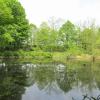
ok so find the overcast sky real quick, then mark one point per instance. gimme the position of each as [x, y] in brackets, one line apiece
[75, 10]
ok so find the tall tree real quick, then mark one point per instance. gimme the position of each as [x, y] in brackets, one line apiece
[14, 26]
[68, 34]
[87, 40]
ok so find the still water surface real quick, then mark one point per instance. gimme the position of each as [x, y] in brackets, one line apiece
[48, 81]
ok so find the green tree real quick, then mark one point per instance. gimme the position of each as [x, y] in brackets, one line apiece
[87, 40]
[68, 34]
[14, 26]
[42, 35]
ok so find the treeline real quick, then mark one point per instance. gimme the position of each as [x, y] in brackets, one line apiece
[67, 37]
[16, 33]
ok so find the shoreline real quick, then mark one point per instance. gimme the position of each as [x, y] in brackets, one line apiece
[56, 56]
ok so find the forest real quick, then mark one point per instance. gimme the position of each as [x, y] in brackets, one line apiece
[18, 36]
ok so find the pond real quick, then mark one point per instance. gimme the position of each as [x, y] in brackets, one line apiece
[48, 81]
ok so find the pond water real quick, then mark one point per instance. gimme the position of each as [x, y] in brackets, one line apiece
[48, 81]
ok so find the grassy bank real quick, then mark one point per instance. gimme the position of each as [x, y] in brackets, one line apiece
[55, 56]
[25, 54]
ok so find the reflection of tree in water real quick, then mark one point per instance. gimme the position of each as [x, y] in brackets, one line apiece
[65, 79]
[88, 77]
[48, 77]
[96, 74]
[12, 81]
[44, 76]
[88, 74]
[85, 74]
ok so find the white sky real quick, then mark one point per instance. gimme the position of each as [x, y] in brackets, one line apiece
[38, 11]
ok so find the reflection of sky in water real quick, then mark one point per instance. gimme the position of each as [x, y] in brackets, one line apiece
[33, 93]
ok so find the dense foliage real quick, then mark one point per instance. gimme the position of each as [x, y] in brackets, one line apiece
[16, 33]
[14, 27]
[68, 37]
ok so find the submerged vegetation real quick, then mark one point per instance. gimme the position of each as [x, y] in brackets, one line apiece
[19, 38]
